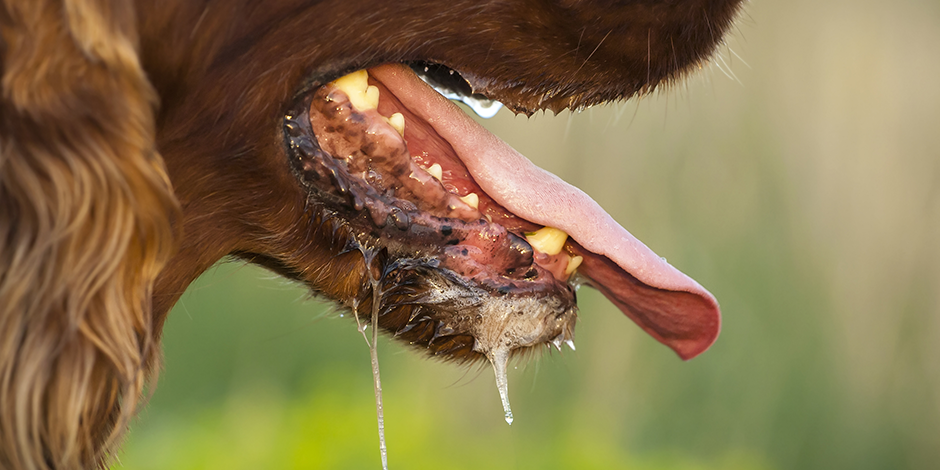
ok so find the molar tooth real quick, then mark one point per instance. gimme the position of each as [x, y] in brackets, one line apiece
[436, 171]
[471, 200]
[397, 121]
[573, 264]
[548, 240]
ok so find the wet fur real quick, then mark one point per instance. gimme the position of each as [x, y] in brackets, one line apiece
[140, 143]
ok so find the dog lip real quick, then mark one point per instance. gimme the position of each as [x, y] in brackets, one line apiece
[670, 306]
[401, 217]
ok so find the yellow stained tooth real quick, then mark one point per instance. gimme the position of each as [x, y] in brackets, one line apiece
[471, 200]
[397, 121]
[573, 264]
[548, 240]
[356, 86]
[372, 97]
[436, 171]
[355, 81]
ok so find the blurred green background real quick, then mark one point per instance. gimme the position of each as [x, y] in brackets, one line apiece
[797, 177]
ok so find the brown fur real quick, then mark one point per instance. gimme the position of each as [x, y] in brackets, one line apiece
[95, 248]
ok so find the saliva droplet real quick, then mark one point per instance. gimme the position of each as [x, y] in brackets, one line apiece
[499, 358]
[484, 108]
[481, 105]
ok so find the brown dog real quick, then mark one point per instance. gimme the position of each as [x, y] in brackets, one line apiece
[141, 142]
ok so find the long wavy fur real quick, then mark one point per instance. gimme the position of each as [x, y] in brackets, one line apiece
[86, 214]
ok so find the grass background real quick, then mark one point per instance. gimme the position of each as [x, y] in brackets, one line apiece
[797, 178]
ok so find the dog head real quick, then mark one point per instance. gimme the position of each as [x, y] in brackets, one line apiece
[143, 142]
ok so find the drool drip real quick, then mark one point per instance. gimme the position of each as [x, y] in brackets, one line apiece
[499, 358]
[369, 256]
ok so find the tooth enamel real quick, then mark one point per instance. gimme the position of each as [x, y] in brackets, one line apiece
[547, 240]
[355, 81]
[471, 200]
[436, 171]
[372, 97]
[356, 86]
[397, 121]
[573, 264]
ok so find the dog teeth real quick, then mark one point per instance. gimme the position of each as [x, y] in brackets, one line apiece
[547, 240]
[361, 95]
[471, 200]
[397, 121]
[573, 264]
[372, 97]
[436, 171]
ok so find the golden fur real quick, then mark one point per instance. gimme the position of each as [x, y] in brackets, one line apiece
[87, 226]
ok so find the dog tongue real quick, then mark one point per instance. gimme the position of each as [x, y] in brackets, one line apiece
[666, 303]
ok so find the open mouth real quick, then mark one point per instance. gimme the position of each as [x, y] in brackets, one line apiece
[479, 252]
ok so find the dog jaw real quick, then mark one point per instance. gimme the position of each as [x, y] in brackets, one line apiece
[358, 167]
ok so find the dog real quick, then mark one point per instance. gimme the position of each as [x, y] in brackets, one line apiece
[142, 141]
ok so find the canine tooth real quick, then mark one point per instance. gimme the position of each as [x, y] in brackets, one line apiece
[356, 86]
[356, 81]
[548, 240]
[471, 200]
[573, 264]
[436, 171]
[397, 121]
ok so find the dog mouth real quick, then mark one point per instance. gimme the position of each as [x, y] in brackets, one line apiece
[472, 250]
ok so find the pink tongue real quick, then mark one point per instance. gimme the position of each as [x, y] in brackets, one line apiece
[666, 303]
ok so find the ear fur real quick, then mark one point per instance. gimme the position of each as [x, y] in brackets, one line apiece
[86, 217]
